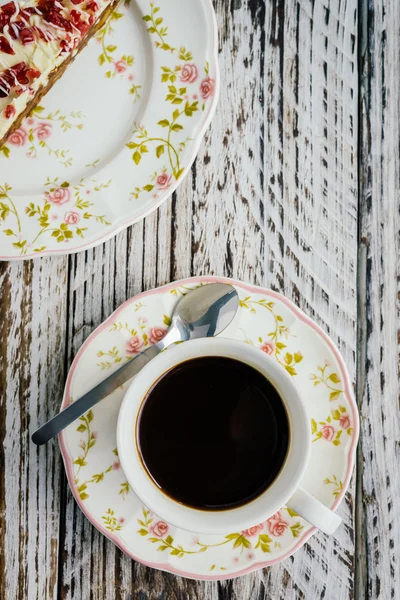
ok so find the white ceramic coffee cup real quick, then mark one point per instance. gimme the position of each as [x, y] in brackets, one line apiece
[285, 489]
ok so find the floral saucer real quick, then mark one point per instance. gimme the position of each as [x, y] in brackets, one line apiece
[266, 320]
[115, 136]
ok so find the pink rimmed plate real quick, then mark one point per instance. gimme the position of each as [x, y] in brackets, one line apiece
[115, 136]
[266, 320]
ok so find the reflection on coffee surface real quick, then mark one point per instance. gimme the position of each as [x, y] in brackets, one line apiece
[213, 433]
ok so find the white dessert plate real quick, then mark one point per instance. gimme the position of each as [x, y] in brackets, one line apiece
[115, 135]
[266, 320]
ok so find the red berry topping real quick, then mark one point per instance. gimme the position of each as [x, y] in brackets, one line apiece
[33, 73]
[27, 36]
[58, 20]
[45, 6]
[17, 74]
[6, 12]
[9, 111]
[5, 45]
[19, 67]
[27, 12]
[9, 8]
[92, 5]
[78, 22]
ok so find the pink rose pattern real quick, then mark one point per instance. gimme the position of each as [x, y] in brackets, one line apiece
[43, 131]
[71, 217]
[276, 525]
[134, 345]
[60, 195]
[207, 87]
[344, 421]
[163, 181]
[189, 73]
[120, 66]
[268, 348]
[253, 530]
[332, 428]
[156, 334]
[327, 432]
[18, 137]
[160, 529]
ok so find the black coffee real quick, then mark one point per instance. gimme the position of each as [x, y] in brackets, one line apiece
[213, 433]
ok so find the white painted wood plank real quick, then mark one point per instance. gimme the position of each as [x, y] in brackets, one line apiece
[379, 522]
[311, 219]
[32, 343]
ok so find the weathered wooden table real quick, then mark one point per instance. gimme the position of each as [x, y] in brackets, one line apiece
[296, 187]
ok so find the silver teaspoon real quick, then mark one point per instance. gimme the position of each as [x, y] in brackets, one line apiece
[203, 312]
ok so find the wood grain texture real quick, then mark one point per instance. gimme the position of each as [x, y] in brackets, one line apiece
[32, 346]
[379, 477]
[311, 220]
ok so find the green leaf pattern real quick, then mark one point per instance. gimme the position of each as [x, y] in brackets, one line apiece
[166, 138]
[272, 343]
[336, 483]
[139, 337]
[88, 441]
[111, 522]
[256, 538]
[117, 65]
[73, 201]
[329, 378]
[332, 428]
[86, 444]
[37, 130]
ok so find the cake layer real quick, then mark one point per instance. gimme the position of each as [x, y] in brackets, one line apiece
[38, 40]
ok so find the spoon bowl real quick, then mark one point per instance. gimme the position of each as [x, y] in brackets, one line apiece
[203, 312]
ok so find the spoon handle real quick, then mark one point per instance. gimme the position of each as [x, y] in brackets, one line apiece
[103, 389]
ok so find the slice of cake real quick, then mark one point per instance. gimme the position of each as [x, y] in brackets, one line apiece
[38, 40]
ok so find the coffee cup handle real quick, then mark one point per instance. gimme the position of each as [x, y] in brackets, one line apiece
[313, 511]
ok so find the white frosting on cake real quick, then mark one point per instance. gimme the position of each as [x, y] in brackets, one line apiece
[39, 55]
